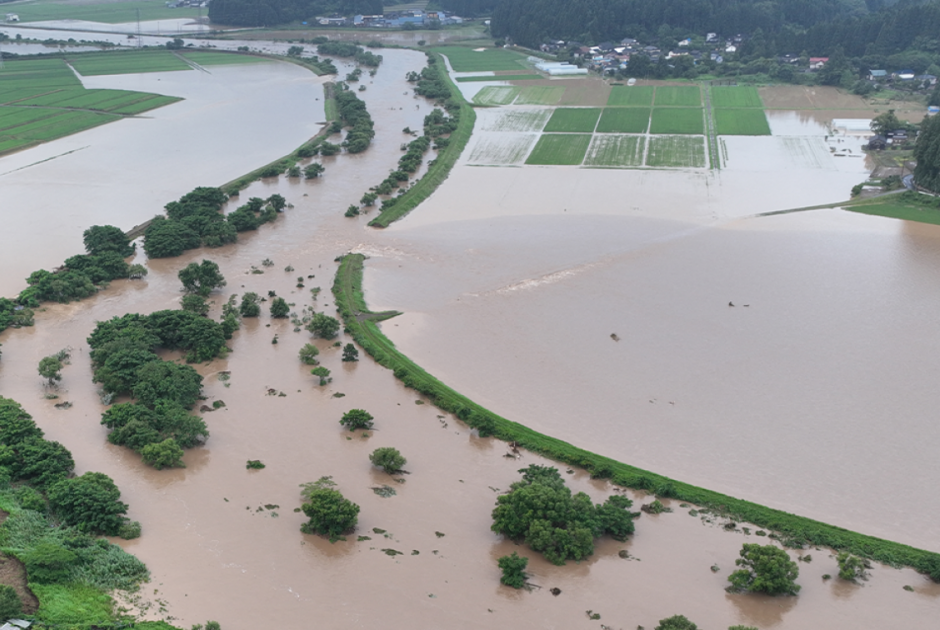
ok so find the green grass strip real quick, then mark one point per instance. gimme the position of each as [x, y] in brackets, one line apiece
[737, 96]
[671, 120]
[443, 163]
[630, 96]
[741, 122]
[504, 77]
[791, 529]
[909, 206]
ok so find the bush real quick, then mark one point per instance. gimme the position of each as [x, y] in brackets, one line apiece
[765, 569]
[388, 459]
[251, 305]
[308, 354]
[851, 567]
[513, 568]
[10, 604]
[279, 308]
[201, 278]
[165, 454]
[323, 326]
[355, 419]
[254, 464]
[676, 622]
[90, 503]
[350, 353]
[322, 373]
[195, 304]
[48, 562]
[330, 513]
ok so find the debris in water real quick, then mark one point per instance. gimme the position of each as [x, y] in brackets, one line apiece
[614, 336]
[391, 552]
[63, 405]
[555, 591]
[440, 534]
[384, 491]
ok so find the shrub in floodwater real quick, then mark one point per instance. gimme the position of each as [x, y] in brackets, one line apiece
[323, 374]
[251, 305]
[355, 419]
[195, 304]
[350, 353]
[765, 569]
[308, 354]
[324, 326]
[165, 454]
[388, 459]
[330, 513]
[676, 622]
[279, 308]
[254, 464]
[513, 568]
[851, 567]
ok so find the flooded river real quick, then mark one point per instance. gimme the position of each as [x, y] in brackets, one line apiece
[812, 398]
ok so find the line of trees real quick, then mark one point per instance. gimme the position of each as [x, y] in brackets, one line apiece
[271, 12]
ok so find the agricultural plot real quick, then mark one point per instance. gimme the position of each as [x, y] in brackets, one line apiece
[99, 100]
[676, 151]
[127, 62]
[573, 120]
[615, 150]
[49, 127]
[560, 149]
[624, 120]
[208, 58]
[496, 95]
[499, 77]
[37, 75]
[741, 122]
[106, 11]
[539, 95]
[464, 59]
[516, 120]
[678, 96]
[501, 149]
[630, 96]
[744, 96]
[673, 120]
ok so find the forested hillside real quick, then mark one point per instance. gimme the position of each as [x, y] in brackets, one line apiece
[271, 12]
[790, 26]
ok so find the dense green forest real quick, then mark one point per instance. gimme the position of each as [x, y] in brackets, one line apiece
[271, 12]
[875, 27]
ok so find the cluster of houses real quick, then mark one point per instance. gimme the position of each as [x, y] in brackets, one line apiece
[901, 77]
[394, 19]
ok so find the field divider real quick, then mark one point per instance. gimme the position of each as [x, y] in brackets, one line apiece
[792, 530]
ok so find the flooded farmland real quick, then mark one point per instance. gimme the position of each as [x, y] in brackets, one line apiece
[813, 398]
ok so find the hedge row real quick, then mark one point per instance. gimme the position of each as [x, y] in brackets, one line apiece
[793, 530]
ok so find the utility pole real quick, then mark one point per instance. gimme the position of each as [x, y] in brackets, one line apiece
[138, 30]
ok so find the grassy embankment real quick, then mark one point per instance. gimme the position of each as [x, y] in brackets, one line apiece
[440, 169]
[791, 529]
[909, 206]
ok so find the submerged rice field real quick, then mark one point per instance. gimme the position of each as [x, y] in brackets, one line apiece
[616, 151]
[501, 149]
[560, 149]
[676, 151]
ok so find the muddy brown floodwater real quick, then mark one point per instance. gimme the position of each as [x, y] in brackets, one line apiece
[216, 552]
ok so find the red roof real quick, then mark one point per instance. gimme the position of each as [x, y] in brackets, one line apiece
[818, 59]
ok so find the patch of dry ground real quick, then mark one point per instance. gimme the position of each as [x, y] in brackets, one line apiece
[13, 573]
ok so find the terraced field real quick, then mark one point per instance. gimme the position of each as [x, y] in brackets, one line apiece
[624, 120]
[560, 149]
[573, 119]
[676, 151]
[630, 96]
[615, 150]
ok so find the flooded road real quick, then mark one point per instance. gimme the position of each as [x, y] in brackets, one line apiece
[511, 291]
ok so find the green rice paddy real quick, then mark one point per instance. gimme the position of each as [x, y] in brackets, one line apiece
[615, 150]
[741, 122]
[106, 11]
[743, 96]
[676, 151]
[44, 100]
[678, 96]
[126, 62]
[624, 120]
[464, 59]
[496, 95]
[560, 149]
[573, 119]
[630, 96]
[540, 95]
[675, 120]
[209, 58]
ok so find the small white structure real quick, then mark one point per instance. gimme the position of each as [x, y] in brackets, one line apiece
[631, 81]
[557, 68]
[13, 17]
[852, 126]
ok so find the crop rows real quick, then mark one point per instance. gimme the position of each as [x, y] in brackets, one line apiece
[518, 120]
[676, 151]
[464, 59]
[496, 95]
[573, 120]
[616, 150]
[741, 122]
[501, 149]
[127, 62]
[560, 149]
[744, 96]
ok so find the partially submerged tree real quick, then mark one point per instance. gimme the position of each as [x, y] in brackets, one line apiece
[357, 419]
[330, 513]
[251, 305]
[388, 459]
[513, 568]
[50, 368]
[279, 308]
[350, 353]
[322, 373]
[165, 454]
[324, 326]
[765, 569]
[676, 622]
[90, 502]
[308, 354]
[201, 278]
[852, 568]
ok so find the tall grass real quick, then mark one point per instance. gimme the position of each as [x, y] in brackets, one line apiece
[794, 530]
